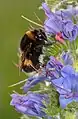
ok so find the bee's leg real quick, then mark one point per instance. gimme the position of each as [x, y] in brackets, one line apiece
[17, 65]
[18, 55]
[34, 68]
[28, 62]
[49, 42]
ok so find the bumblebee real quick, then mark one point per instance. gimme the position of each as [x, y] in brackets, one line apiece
[31, 47]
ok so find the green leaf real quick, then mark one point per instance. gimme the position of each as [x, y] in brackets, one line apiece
[24, 117]
[53, 108]
[70, 115]
[70, 112]
[54, 50]
[28, 117]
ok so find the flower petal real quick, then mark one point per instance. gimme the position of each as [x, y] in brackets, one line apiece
[30, 104]
[47, 10]
[35, 81]
[64, 101]
[67, 70]
[70, 31]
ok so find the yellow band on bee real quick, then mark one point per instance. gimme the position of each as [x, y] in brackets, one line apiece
[30, 35]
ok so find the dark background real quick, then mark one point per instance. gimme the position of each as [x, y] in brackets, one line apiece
[12, 28]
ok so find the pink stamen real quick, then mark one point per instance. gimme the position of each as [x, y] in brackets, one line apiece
[59, 38]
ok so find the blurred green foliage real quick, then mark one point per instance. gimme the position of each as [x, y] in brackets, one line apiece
[12, 27]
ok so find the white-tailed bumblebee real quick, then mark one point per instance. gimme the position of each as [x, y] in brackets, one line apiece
[31, 46]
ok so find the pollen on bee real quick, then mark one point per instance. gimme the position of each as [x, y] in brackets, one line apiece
[30, 35]
[27, 62]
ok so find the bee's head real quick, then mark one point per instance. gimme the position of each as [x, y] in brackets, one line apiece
[40, 35]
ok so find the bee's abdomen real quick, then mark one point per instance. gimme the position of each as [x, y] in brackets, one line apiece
[24, 42]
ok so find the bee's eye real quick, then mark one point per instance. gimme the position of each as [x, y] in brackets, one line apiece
[39, 35]
[35, 36]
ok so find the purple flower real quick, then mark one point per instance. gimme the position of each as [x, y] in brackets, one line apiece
[30, 104]
[32, 81]
[53, 67]
[48, 73]
[55, 25]
[67, 13]
[47, 10]
[69, 31]
[54, 63]
[52, 24]
[67, 86]
[67, 58]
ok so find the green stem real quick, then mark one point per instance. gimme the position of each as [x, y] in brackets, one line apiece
[70, 115]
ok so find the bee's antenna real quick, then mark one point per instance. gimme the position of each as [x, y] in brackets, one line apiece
[18, 83]
[15, 92]
[31, 21]
[17, 65]
[38, 18]
[18, 62]
[34, 68]
[31, 27]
